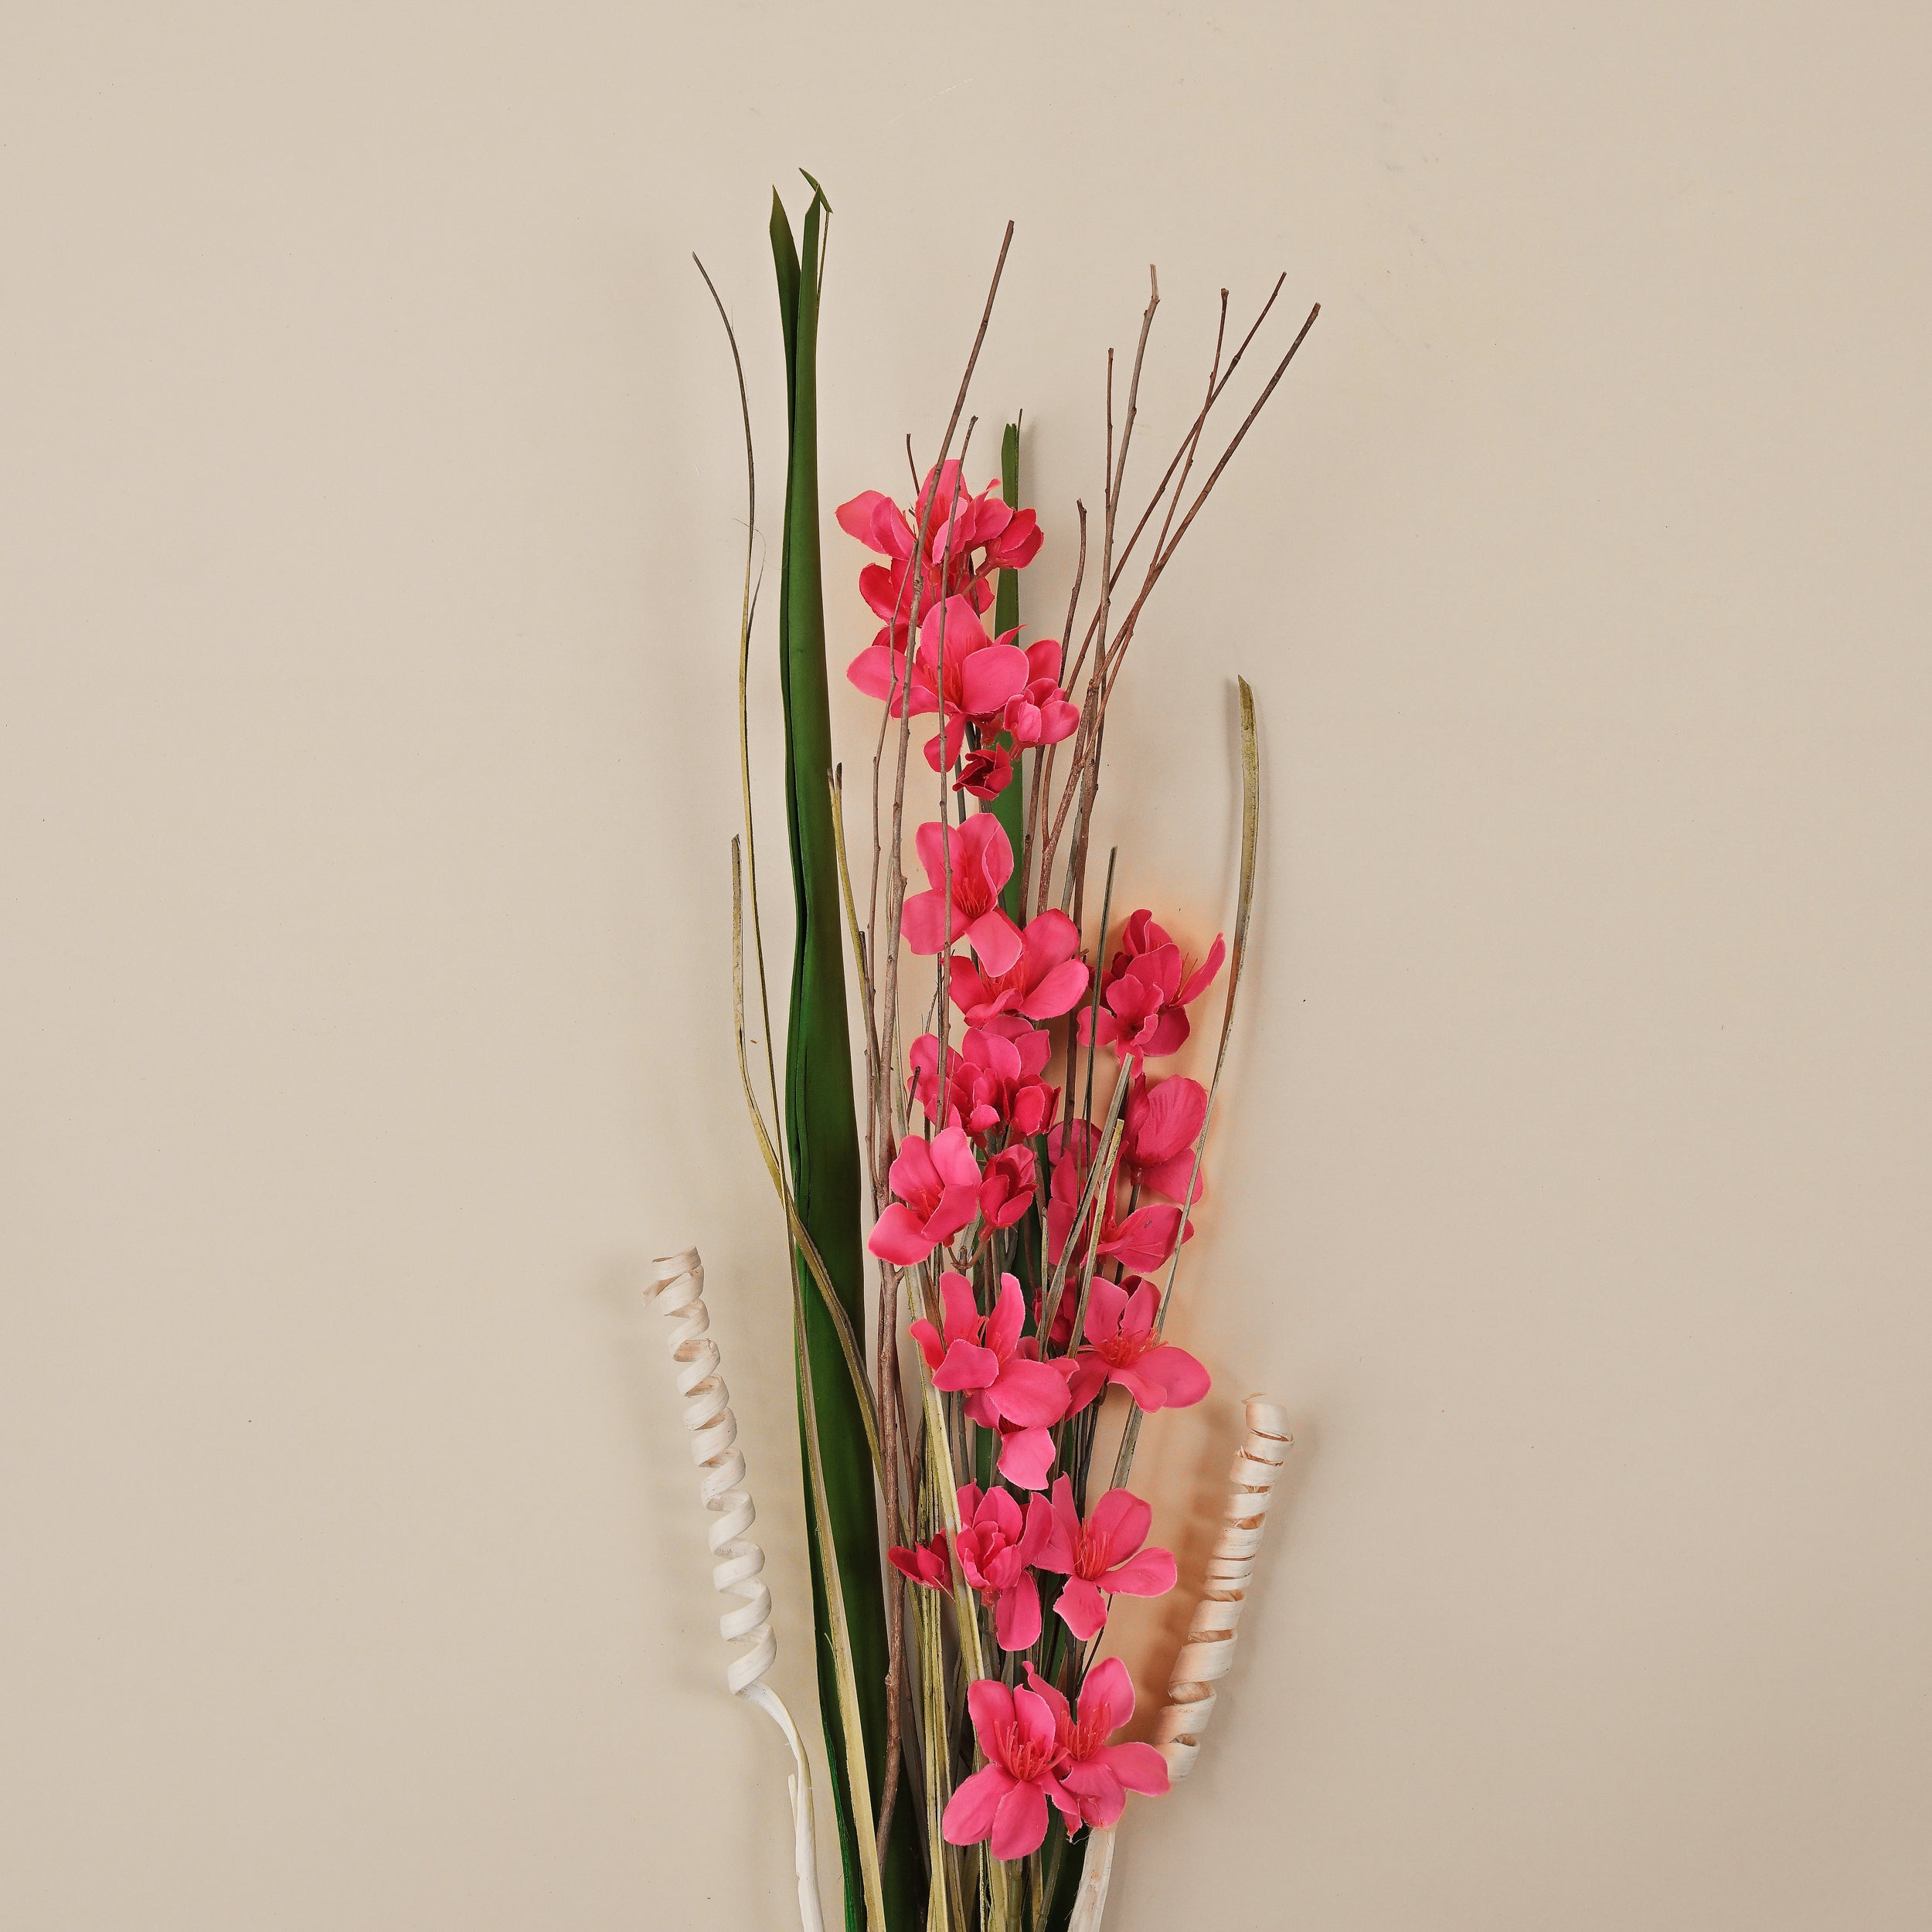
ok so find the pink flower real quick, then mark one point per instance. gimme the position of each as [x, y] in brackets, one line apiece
[1040, 714]
[1163, 1121]
[926, 1563]
[1043, 982]
[1101, 1557]
[964, 675]
[985, 772]
[1123, 1349]
[996, 1543]
[937, 1184]
[949, 567]
[1140, 1242]
[980, 860]
[968, 538]
[1005, 1800]
[1006, 1387]
[1144, 994]
[1099, 1775]
[992, 1078]
[1006, 1191]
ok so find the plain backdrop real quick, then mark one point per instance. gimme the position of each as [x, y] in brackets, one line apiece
[370, 516]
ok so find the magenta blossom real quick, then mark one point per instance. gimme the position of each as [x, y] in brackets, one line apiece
[1164, 1119]
[1123, 1349]
[1146, 991]
[1140, 1242]
[1006, 1387]
[968, 538]
[1098, 1774]
[966, 676]
[1006, 1190]
[1100, 1558]
[1005, 1800]
[992, 1078]
[996, 1543]
[980, 859]
[1043, 981]
[925, 1562]
[985, 772]
[1041, 714]
[938, 1182]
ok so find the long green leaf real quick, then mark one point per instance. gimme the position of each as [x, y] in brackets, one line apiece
[822, 1122]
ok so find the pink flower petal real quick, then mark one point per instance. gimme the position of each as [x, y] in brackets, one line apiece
[989, 677]
[1183, 1377]
[1106, 1697]
[1020, 1822]
[1083, 1609]
[1145, 1239]
[928, 922]
[966, 1366]
[990, 1704]
[931, 1345]
[1030, 1393]
[1016, 1618]
[1106, 1303]
[1093, 1783]
[1169, 1035]
[1058, 990]
[1150, 1574]
[1033, 1720]
[1167, 1118]
[1008, 1318]
[1139, 1767]
[1039, 1529]
[1148, 1392]
[962, 1310]
[995, 938]
[873, 671]
[882, 591]
[954, 1163]
[1025, 1457]
[1123, 1518]
[1199, 981]
[988, 849]
[1000, 1511]
[970, 1811]
[958, 1206]
[1173, 1178]
[898, 1236]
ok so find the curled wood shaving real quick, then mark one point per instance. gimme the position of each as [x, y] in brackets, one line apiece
[679, 1291]
[1209, 1652]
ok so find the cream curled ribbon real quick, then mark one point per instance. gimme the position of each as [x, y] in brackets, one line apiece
[1209, 1649]
[679, 1291]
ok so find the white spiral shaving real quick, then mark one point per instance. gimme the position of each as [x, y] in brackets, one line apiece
[1206, 1656]
[678, 1291]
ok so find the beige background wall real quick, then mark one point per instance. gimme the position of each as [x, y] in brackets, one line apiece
[367, 578]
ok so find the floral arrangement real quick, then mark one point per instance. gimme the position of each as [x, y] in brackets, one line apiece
[1016, 1166]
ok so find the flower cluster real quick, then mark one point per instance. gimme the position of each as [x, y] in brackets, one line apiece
[995, 1207]
[1039, 1751]
[993, 699]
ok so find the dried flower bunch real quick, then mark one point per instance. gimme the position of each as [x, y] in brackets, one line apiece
[1018, 1165]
